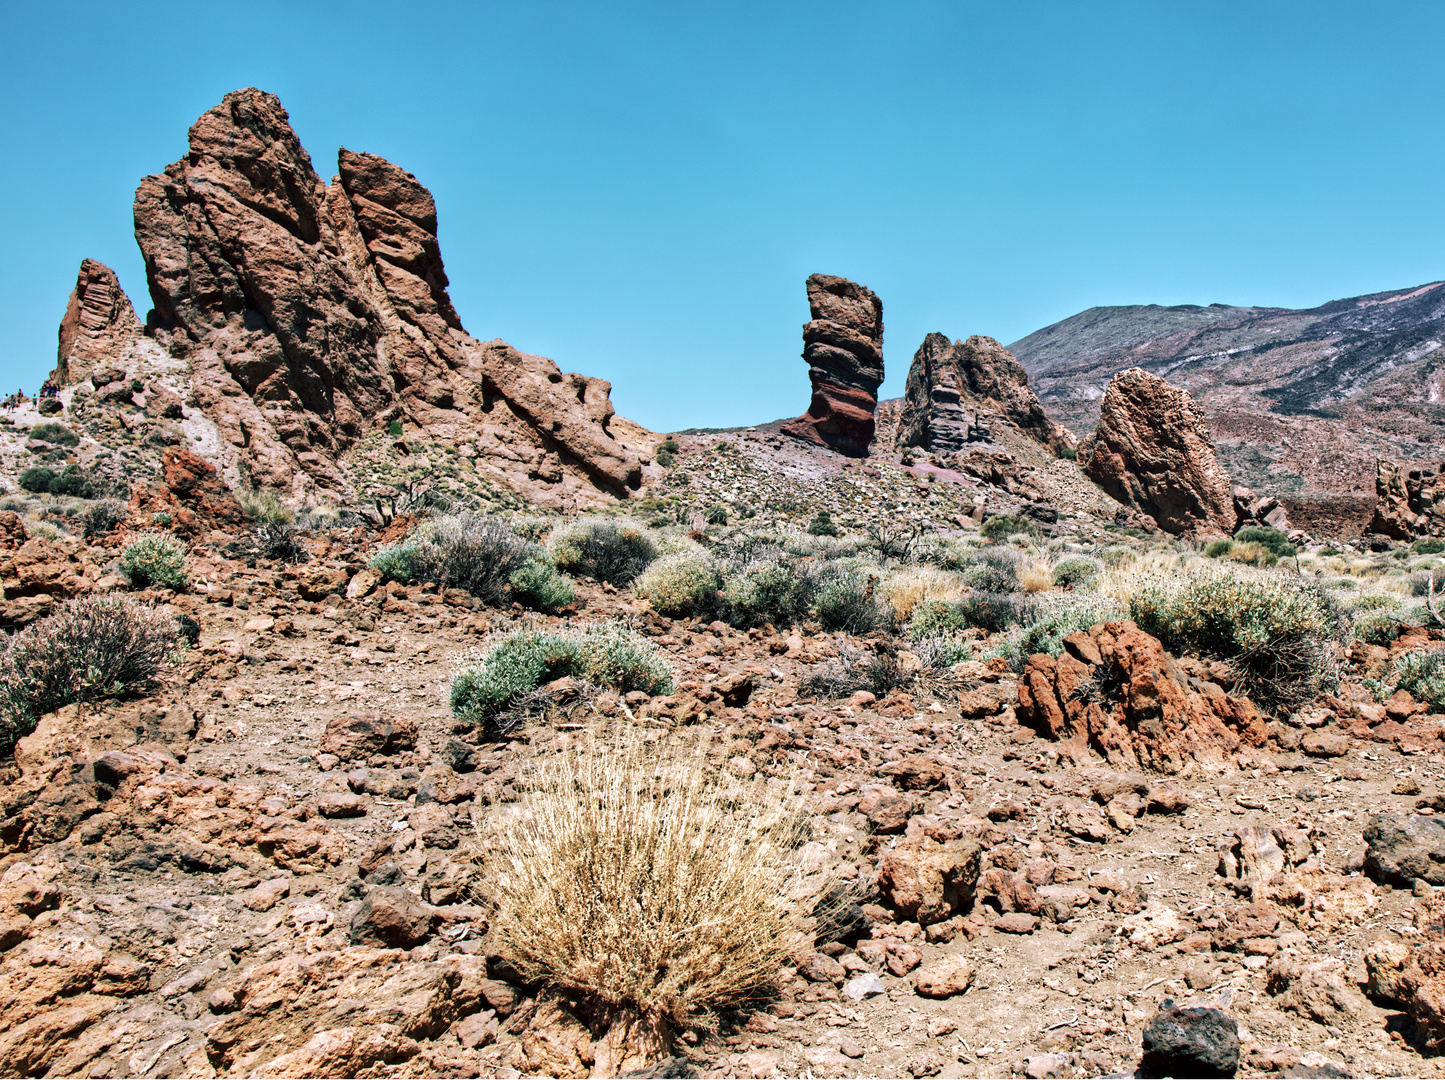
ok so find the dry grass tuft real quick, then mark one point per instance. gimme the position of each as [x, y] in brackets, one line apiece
[640, 878]
[907, 589]
[1036, 574]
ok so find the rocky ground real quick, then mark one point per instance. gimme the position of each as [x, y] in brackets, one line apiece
[264, 868]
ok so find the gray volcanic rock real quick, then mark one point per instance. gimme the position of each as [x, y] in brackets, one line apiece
[946, 379]
[843, 345]
[1152, 451]
[99, 324]
[311, 316]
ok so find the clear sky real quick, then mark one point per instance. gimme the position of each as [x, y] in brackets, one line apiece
[639, 189]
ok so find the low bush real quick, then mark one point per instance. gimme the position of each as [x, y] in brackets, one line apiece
[938, 652]
[1058, 618]
[847, 600]
[1252, 554]
[855, 669]
[906, 589]
[1429, 545]
[933, 618]
[90, 648]
[155, 559]
[1377, 626]
[266, 506]
[1423, 675]
[73, 481]
[1266, 536]
[1002, 526]
[684, 583]
[1076, 570]
[995, 612]
[1217, 549]
[536, 584]
[633, 876]
[278, 541]
[777, 590]
[993, 570]
[717, 514]
[612, 551]
[822, 525]
[58, 434]
[472, 552]
[519, 662]
[101, 517]
[1273, 627]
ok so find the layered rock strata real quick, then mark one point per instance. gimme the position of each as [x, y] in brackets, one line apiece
[843, 345]
[1152, 451]
[310, 315]
[947, 380]
[99, 324]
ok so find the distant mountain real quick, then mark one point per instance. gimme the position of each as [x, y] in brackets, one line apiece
[1299, 401]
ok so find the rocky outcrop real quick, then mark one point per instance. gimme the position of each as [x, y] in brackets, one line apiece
[98, 326]
[190, 491]
[1405, 506]
[311, 315]
[1115, 691]
[1411, 973]
[948, 381]
[843, 345]
[1152, 451]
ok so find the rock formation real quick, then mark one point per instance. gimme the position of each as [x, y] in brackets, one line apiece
[1152, 451]
[99, 324]
[947, 379]
[310, 315]
[1405, 506]
[1155, 716]
[843, 345]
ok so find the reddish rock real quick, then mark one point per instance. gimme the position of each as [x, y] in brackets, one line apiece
[390, 917]
[191, 491]
[99, 324]
[310, 316]
[1152, 451]
[843, 345]
[927, 882]
[887, 809]
[1017, 922]
[952, 387]
[1412, 973]
[1150, 718]
[355, 738]
[944, 978]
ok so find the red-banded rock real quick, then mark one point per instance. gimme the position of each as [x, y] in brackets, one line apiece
[98, 325]
[1152, 451]
[1116, 691]
[953, 388]
[191, 491]
[843, 345]
[312, 315]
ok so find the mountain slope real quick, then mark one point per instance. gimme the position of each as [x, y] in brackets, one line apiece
[1299, 401]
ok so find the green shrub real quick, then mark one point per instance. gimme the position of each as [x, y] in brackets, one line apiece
[845, 600]
[1377, 626]
[1423, 674]
[934, 618]
[1429, 545]
[536, 584]
[775, 590]
[683, 583]
[938, 652]
[666, 453]
[155, 559]
[72, 481]
[995, 612]
[993, 570]
[472, 552]
[822, 525]
[394, 429]
[1075, 571]
[717, 514]
[519, 662]
[58, 434]
[612, 551]
[1117, 555]
[855, 669]
[1218, 548]
[1267, 537]
[1273, 627]
[1002, 526]
[1059, 617]
[90, 648]
[101, 517]
[1252, 554]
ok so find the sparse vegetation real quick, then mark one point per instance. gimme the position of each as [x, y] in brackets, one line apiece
[72, 480]
[537, 584]
[822, 525]
[1002, 526]
[58, 434]
[101, 517]
[473, 552]
[614, 551]
[156, 559]
[683, 583]
[638, 877]
[88, 649]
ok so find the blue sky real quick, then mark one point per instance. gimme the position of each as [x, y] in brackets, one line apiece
[639, 189]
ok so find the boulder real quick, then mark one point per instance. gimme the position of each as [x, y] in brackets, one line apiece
[390, 917]
[1191, 1042]
[948, 381]
[843, 346]
[191, 491]
[953, 974]
[1403, 847]
[1405, 503]
[1411, 973]
[925, 881]
[249, 253]
[1152, 451]
[355, 738]
[1115, 691]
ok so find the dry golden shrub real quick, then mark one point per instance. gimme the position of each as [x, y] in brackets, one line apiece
[1035, 574]
[640, 877]
[908, 588]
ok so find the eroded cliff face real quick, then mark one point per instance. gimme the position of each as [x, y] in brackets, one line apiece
[99, 324]
[948, 381]
[311, 315]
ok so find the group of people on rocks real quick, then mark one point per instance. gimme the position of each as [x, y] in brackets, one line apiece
[13, 401]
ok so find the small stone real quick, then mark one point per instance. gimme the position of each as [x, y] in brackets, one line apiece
[477, 1030]
[944, 978]
[339, 804]
[864, 986]
[1047, 1066]
[389, 916]
[265, 895]
[1017, 922]
[849, 1049]
[819, 968]
[1191, 1042]
[1323, 744]
[902, 959]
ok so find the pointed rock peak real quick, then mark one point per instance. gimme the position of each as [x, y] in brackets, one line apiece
[1153, 451]
[99, 320]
